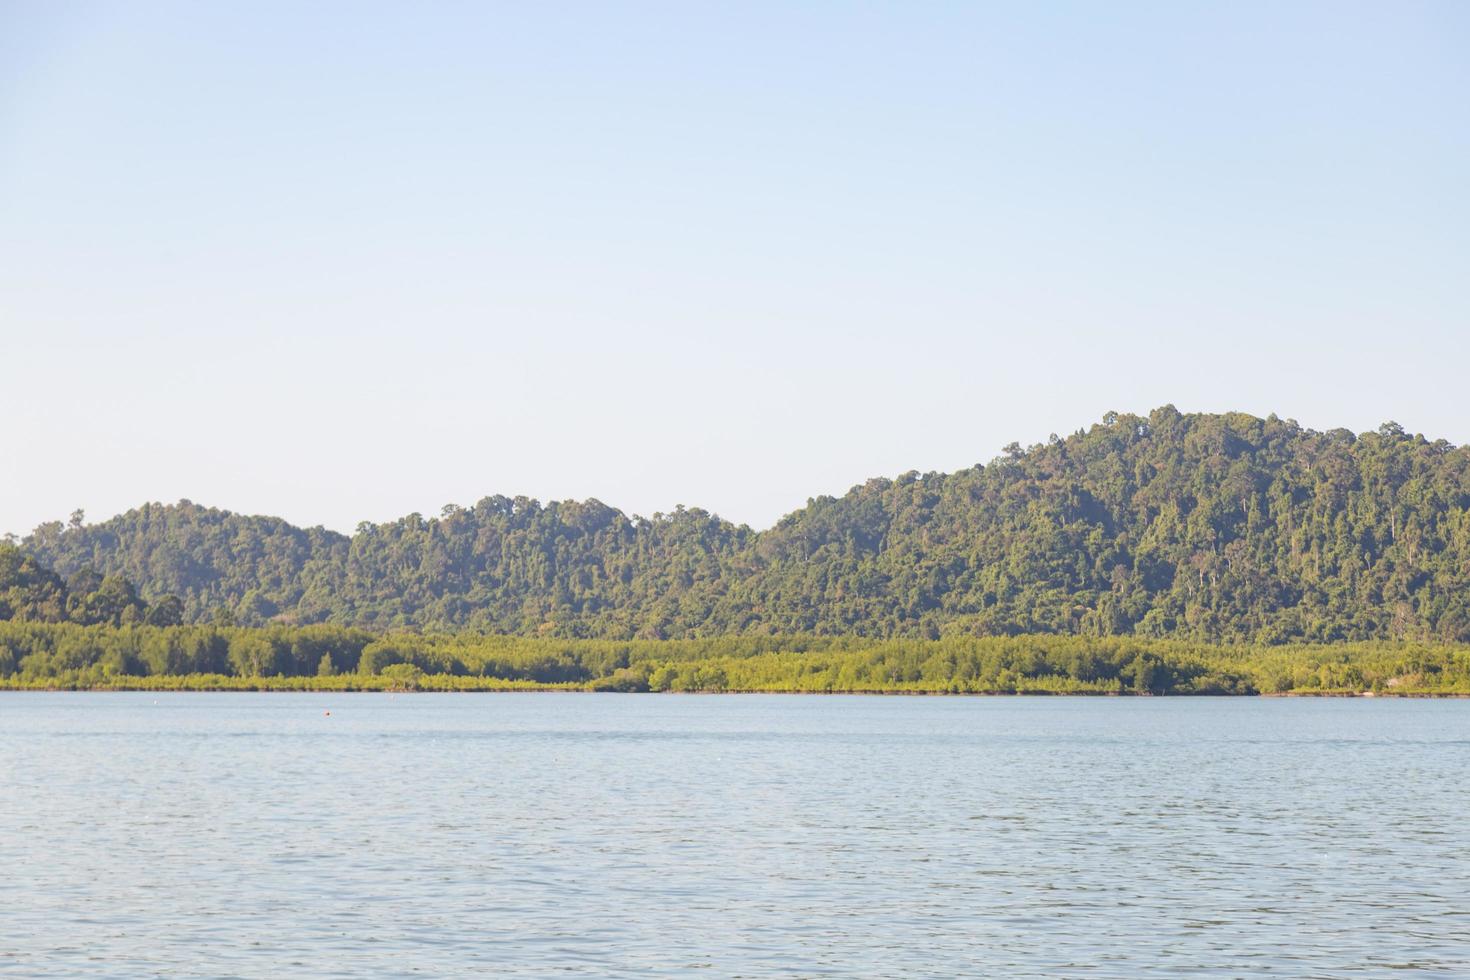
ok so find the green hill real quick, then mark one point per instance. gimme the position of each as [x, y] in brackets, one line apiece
[1207, 527]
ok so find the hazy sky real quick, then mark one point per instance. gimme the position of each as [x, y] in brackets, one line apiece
[346, 261]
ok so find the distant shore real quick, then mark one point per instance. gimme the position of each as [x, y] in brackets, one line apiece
[327, 658]
[367, 686]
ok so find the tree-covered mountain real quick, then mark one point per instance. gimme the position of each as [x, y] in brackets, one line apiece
[1211, 527]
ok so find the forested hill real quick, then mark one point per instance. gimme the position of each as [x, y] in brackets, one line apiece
[1212, 527]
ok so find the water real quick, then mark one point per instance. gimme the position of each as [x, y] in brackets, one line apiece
[617, 835]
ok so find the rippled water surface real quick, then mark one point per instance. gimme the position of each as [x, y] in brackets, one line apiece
[553, 834]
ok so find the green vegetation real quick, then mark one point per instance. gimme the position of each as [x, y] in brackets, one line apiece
[1173, 554]
[69, 655]
[31, 592]
[1212, 528]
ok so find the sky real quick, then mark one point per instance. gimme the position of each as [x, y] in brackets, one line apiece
[346, 261]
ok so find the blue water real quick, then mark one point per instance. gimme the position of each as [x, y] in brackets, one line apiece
[254, 835]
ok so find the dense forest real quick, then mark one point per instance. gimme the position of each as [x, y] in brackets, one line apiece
[32, 593]
[1206, 528]
[326, 657]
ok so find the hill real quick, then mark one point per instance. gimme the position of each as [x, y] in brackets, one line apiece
[1209, 527]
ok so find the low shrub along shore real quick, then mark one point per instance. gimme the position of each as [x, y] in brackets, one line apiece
[51, 656]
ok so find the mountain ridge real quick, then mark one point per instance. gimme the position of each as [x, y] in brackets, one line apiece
[1212, 526]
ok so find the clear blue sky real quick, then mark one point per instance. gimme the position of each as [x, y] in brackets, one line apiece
[347, 261]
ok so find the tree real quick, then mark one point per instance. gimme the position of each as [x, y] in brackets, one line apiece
[166, 611]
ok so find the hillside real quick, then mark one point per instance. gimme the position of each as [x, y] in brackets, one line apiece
[1208, 527]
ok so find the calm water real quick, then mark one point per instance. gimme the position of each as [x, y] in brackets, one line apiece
[554, 834]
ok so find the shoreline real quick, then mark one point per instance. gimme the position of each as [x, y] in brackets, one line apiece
[56, 657]
[553, 689]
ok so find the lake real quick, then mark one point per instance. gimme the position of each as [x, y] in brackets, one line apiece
[255, 835]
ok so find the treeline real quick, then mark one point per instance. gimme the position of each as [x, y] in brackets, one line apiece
[1216, 528]
[68, 655]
